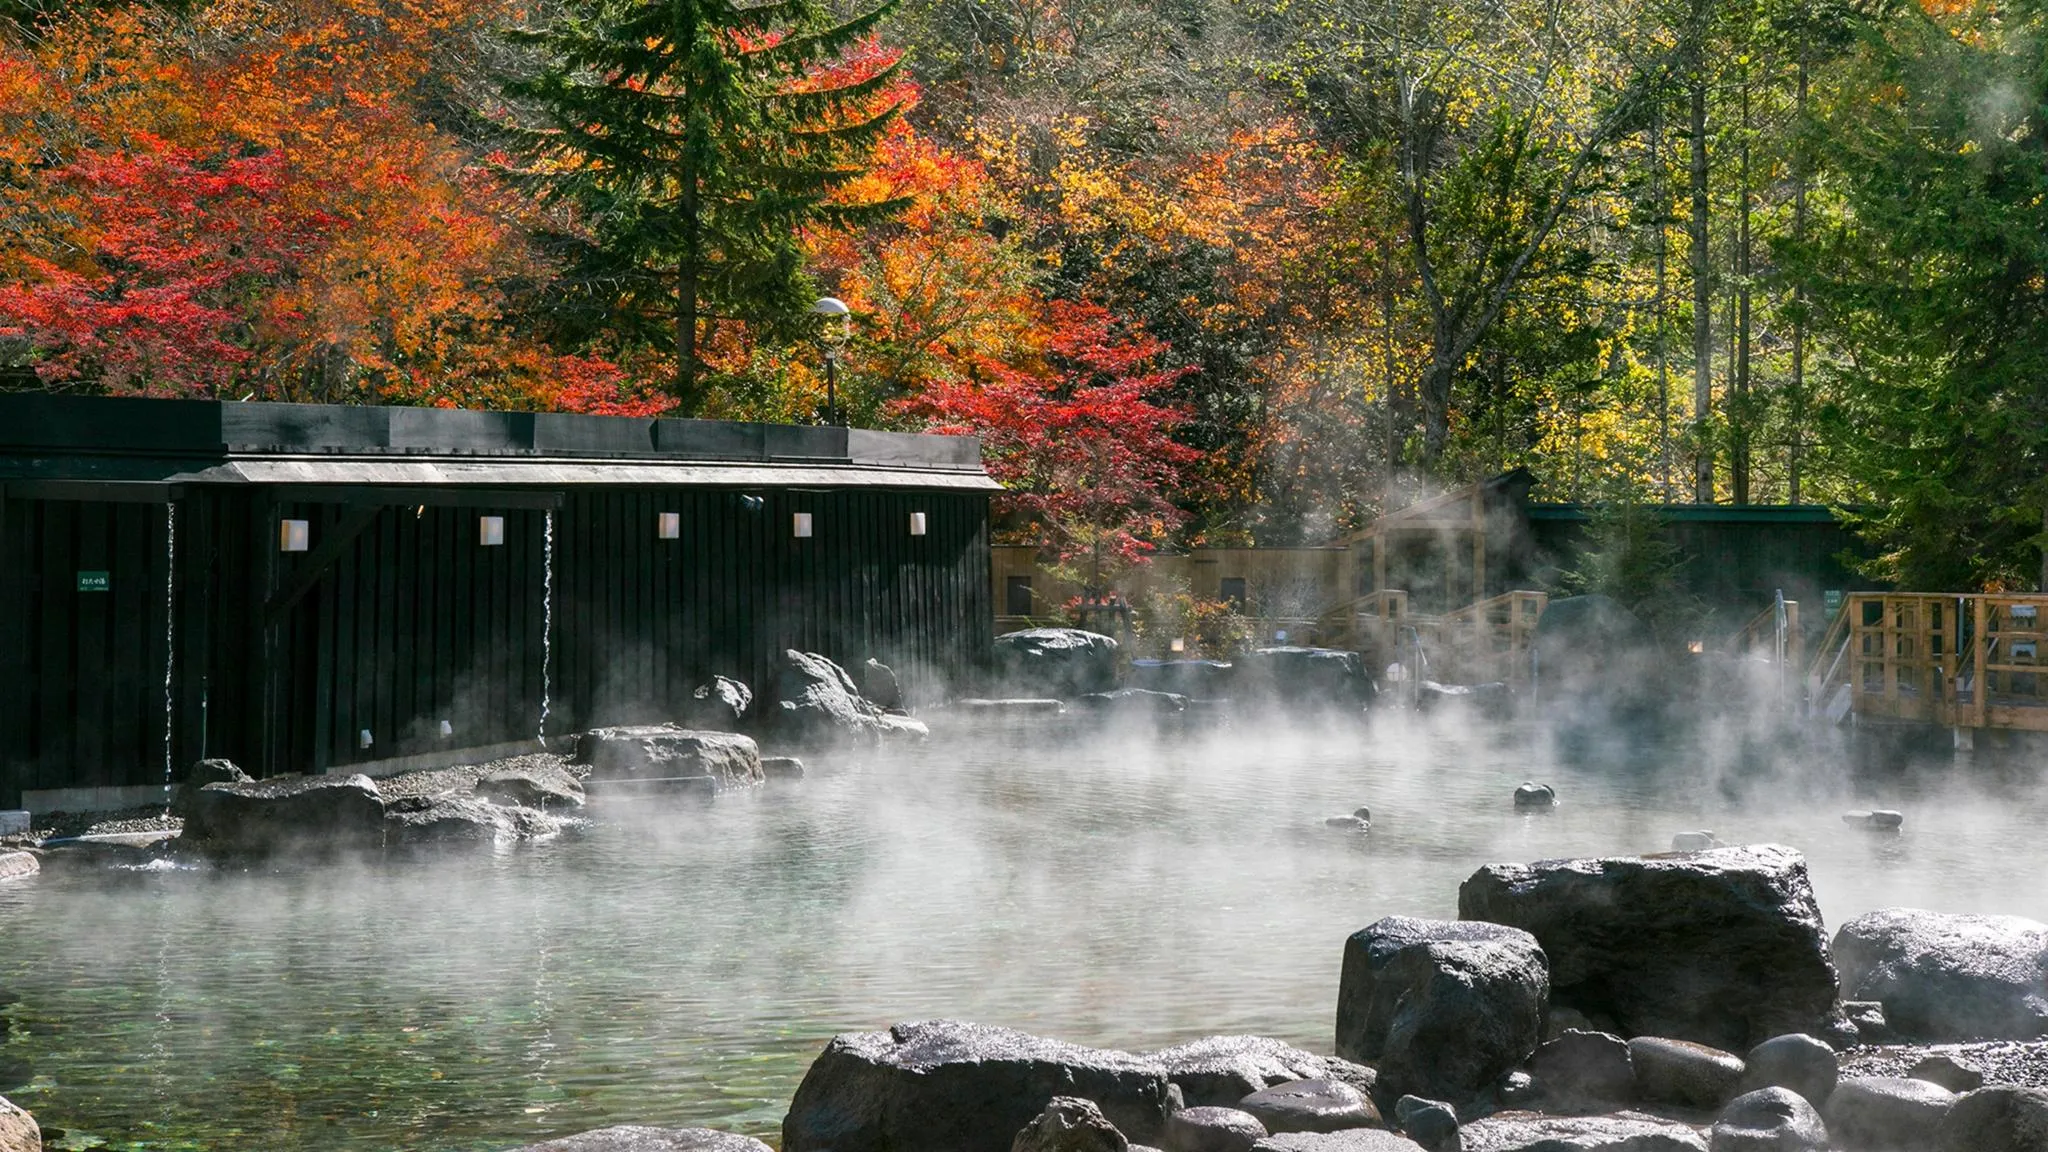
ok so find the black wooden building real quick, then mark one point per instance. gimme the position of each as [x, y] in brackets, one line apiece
[303, 588]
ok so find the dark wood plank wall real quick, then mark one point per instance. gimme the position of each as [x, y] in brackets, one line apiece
[417, 623]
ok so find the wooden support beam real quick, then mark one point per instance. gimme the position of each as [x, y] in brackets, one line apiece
[307, 576]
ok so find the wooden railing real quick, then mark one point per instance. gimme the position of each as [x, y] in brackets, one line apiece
[1961, 661]
[1773, 637]
[1489, 640]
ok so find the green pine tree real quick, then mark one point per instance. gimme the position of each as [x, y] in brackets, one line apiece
[692, 141]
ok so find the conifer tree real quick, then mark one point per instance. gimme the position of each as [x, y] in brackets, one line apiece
[693, 140]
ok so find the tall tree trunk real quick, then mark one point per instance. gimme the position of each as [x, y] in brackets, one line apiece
[1798, 414]
[1702, 277]
[1662, 199]
[689, 403]
[1738, 401]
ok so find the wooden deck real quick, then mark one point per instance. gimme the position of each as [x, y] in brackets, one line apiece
[1958, 660]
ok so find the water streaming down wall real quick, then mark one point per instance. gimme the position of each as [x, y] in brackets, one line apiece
[547, 619]
[170, 642]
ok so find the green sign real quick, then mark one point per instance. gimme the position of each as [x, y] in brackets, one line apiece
[95, 582]
[1833, 599]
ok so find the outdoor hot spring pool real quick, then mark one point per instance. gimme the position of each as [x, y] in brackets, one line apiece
[683, 966]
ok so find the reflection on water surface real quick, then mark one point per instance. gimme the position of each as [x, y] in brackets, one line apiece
[682, 967]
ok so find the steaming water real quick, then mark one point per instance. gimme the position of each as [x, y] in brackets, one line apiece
[684, 966]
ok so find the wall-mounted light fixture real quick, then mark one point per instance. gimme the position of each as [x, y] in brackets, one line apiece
[1178, 645]
[363, 739]
[800, 525]
[917, 524]
[447, 729]
[294, 535]
[668, 525]
[490, 531]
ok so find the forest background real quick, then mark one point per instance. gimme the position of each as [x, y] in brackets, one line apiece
[1198, 271]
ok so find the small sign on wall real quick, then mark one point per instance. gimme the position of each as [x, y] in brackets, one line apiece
[95, 582]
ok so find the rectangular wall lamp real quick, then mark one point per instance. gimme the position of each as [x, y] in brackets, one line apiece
[800, 524]
[917, 523]
[490, 531]
[669, 525]
[294, 535]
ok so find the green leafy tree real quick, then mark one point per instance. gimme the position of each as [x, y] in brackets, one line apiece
[691, 142]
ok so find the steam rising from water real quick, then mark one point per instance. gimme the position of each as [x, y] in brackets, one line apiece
[682, 965]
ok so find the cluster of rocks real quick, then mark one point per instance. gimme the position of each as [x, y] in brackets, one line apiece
[1679, 1003]
[1037, 668]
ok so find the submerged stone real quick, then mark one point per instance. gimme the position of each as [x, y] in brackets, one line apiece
[635, 1138]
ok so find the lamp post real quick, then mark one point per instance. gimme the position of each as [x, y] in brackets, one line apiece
[835, 327]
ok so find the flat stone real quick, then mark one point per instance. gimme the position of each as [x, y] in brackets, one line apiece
[1724, 947]
[719, 704]
[1133, 702]
[1951, 1072]
[1211, 1129]
[450, 819]
[1069, 1124]
[1027, 706]
[1948, 977]
[1349, 1140]
[1311, 1106]
[18, 865]
[663, 751]
[1223, 1070]
[1621, 1132]
[288, 812]
[1769, 1120]
[1797, 1062]
[1996, 1120]
[1440, 1007]
[1584, 1072]
[1059, 662]
[782, 769]
[1695, 841]
[524, 788]
[950, 1086]
[1882, 1113]
[636, 1138]
[1683, 1073]
[18, 1130]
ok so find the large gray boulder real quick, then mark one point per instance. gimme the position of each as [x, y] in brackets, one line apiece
[720, 704]
[1058, 662]
[1312, 679]
[287, 812]
[1069, 1124]
[635, 1138]
[949, 1086]
[18, 865]
[531, 787]
[1798, 1062]
[1996, 1120]
[1223, 1070]
[816, 701]
[1723, 947]
[199, 775]
[419, 821]
[1621, 1132]
[1948, 977]
[1769, 1120]
[642, 753]
[1886, 1113]
[1441, 1008]
[18, 1130]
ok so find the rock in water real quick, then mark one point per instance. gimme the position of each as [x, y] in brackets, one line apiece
[199, 775]
[313, 812]
[531, 788]
[949, 1086]
[1307, 679]
[1798, 1062]
[1769, 1120]
[18, 1130]
[1532, 795]
[1621, 1132]
[1696, 841]
[1134, 702]
[1951, 1072]
[1058, 662]
[1584, 1072]
[719, 705]
[879, 684]
[1992, 1120]
[815, 700]
[634, 1138]
[423, 820]
[722, 760]
[1683, 1073]
[1943, 976]
[1311, 1106]
[1210, 1129]
[1069, 1124]
[1723, 947]
[1223, 1070]
[17, 865]
[1886, 1114]
[1441, 1008]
